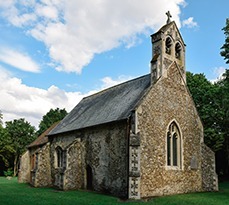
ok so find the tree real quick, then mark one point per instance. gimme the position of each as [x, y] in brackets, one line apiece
[6, 148]
[224, 120]
[225, 48]
[50, 118]
[21, 134]
[1, 118]
[206, 97]
[212, 103]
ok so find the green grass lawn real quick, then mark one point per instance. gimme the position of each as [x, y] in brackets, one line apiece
[13, 193]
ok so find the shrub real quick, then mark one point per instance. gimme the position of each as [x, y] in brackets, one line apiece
[9, 172]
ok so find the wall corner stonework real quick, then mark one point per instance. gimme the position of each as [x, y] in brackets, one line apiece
[209, 176]
[24, 171]
[134, 160]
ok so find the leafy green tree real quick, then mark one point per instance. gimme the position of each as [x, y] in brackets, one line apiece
[224, 118]
[21, 134]
[207, 99]
[225, 48]
[1, 116]
[6, 148]
[50, 118]
[212, 103]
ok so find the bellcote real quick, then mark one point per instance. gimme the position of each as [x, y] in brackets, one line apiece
[167, 47]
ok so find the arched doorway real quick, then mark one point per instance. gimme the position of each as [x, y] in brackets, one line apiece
[89, 178]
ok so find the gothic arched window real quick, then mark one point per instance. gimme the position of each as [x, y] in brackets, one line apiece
[174, 148]
[178, 50]
[168, 45]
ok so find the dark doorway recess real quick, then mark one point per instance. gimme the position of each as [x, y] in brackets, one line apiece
[89, 178]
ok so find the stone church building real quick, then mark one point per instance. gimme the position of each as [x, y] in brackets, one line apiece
[138, 139]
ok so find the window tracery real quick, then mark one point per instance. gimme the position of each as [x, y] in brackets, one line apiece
[173, 146]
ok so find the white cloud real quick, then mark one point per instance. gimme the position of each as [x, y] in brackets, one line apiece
[13, 14]
[218, 73]
[49, 12]
[18, 60]
[109, 82]
[21, 101]
[190, 23]
[74, 31]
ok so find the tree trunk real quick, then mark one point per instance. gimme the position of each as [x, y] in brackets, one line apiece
[16, 162]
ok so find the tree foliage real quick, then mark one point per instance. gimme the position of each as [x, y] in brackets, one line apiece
[206, 97]
[225, 48]
[50, 118]
[1, 118]
[224, 120]
[212, 101]
[6, 148]
[21, 134]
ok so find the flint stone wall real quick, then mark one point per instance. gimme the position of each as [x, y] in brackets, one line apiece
[74, 173]
[104, 148]
[58, 174]
[209, 176]
[169, 100]
[42, 172]
[24, 171]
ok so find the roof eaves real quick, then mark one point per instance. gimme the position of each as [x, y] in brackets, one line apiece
[86, 127]
[42, 139]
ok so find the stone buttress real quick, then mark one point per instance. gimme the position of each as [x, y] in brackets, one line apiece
[134, 160]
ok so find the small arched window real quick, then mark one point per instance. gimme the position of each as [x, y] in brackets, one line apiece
[178, 50]
[168, 45]
[59, 157]
[173, 140]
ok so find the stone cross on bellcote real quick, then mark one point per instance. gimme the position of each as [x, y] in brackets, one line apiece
[169, 16]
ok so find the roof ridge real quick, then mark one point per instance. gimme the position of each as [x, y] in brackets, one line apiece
[105, 89]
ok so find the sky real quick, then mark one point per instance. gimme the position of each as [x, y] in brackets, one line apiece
[55, 52]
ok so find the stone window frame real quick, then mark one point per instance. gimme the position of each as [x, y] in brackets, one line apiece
[59, 155]
[173, 133]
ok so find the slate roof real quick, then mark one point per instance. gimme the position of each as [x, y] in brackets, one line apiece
[42, 139]
[112, 104]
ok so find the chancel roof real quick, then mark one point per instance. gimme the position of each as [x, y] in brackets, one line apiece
[113, 104]
[42, 139]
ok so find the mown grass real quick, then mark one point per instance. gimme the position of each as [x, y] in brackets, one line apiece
[13, 193]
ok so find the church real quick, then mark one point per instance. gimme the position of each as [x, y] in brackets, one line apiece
[141, 138]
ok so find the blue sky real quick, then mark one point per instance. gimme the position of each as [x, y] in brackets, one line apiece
[54, 52]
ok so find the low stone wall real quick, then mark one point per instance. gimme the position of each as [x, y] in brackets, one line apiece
[209, 176]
